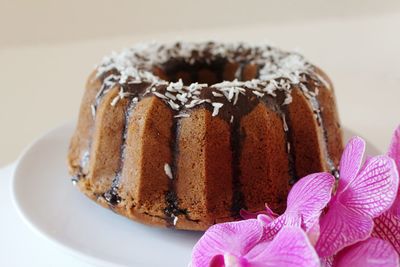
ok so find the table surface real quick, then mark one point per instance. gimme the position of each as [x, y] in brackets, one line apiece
[42, 87]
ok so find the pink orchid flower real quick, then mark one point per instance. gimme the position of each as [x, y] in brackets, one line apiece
[305, 203]
[238, 244]
[394, 153]
[371, 252]
[269, 214]
[387, 225]
[364, 192]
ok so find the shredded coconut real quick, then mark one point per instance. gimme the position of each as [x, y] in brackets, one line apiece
[168, 171]
[278, 71]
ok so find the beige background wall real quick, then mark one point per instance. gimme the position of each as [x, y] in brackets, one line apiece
[26, 22]
[47, 48]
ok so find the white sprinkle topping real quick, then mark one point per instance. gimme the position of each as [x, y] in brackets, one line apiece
[182, 97]
[216, 106]
[285, 126]
[115, 100]
[278, 71]
[217, 94]
[168, 171]
[93, 110]
[231, 120]
[230, 94]
[159, 95]
[173, 105]
[236, 97]
[182, 115]
[197, 86]
[175, 219]
[287, 100]
[169, 95]
[121, 95]
[257, 93]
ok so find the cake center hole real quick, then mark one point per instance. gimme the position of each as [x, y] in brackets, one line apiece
[206, 72]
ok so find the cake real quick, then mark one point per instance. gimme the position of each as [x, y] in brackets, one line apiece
[185, 135]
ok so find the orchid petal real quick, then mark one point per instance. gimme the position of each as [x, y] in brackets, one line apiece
[290, 247]
[217, 261]
[287, 219]
[341, 227]
[351, 161]
[270, 212]
[305, 203]
[327, 262]
[394, 148]
[394, 153]
[387, 227]
[372, 252]
[395, 209]
[313, 233]
[253, 215]
[374, 189]
[235, 238]
[265, 220]
[309, 196]
[250, 215]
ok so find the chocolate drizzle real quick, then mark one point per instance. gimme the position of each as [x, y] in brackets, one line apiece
[312, 97]
[238, 201]
[172, 210]
[290, 147]
[133, 92]
[276, 104]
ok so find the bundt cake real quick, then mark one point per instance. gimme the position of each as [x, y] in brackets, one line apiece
[186, 135]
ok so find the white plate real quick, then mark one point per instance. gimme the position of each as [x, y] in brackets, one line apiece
[50, 204]
[47, 201]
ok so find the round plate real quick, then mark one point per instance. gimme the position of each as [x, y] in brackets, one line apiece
[51, 205]
[47, 201]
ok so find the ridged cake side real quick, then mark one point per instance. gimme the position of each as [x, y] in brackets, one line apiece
[147, 151]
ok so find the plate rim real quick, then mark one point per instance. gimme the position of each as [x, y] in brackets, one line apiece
[39, 231]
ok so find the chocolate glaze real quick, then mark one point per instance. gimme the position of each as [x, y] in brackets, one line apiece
[238, 200]
[172, 209]
[290, 148]
[318, 111]
[112, 195]
[275, 104]
[174, 67]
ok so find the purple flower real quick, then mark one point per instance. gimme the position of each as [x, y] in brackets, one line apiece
[240, 244]
[366, 202]
[371, 252]
[387, 225]
[394, 153]
[305, 203]
[269, 214]
[364, 192]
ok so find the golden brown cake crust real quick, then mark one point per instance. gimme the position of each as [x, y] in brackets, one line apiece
[187, 135]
